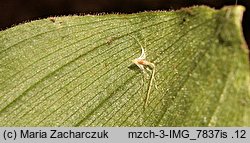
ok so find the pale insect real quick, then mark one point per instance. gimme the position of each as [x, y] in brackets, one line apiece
[143, 64]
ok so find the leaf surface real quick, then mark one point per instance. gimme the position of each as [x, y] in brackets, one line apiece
[77, 70]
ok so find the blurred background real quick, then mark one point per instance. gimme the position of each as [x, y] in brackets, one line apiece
[13, 12]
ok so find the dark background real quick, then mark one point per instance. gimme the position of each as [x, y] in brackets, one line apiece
[13, 12]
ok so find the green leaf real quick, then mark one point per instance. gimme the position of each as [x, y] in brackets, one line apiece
[77, 70]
